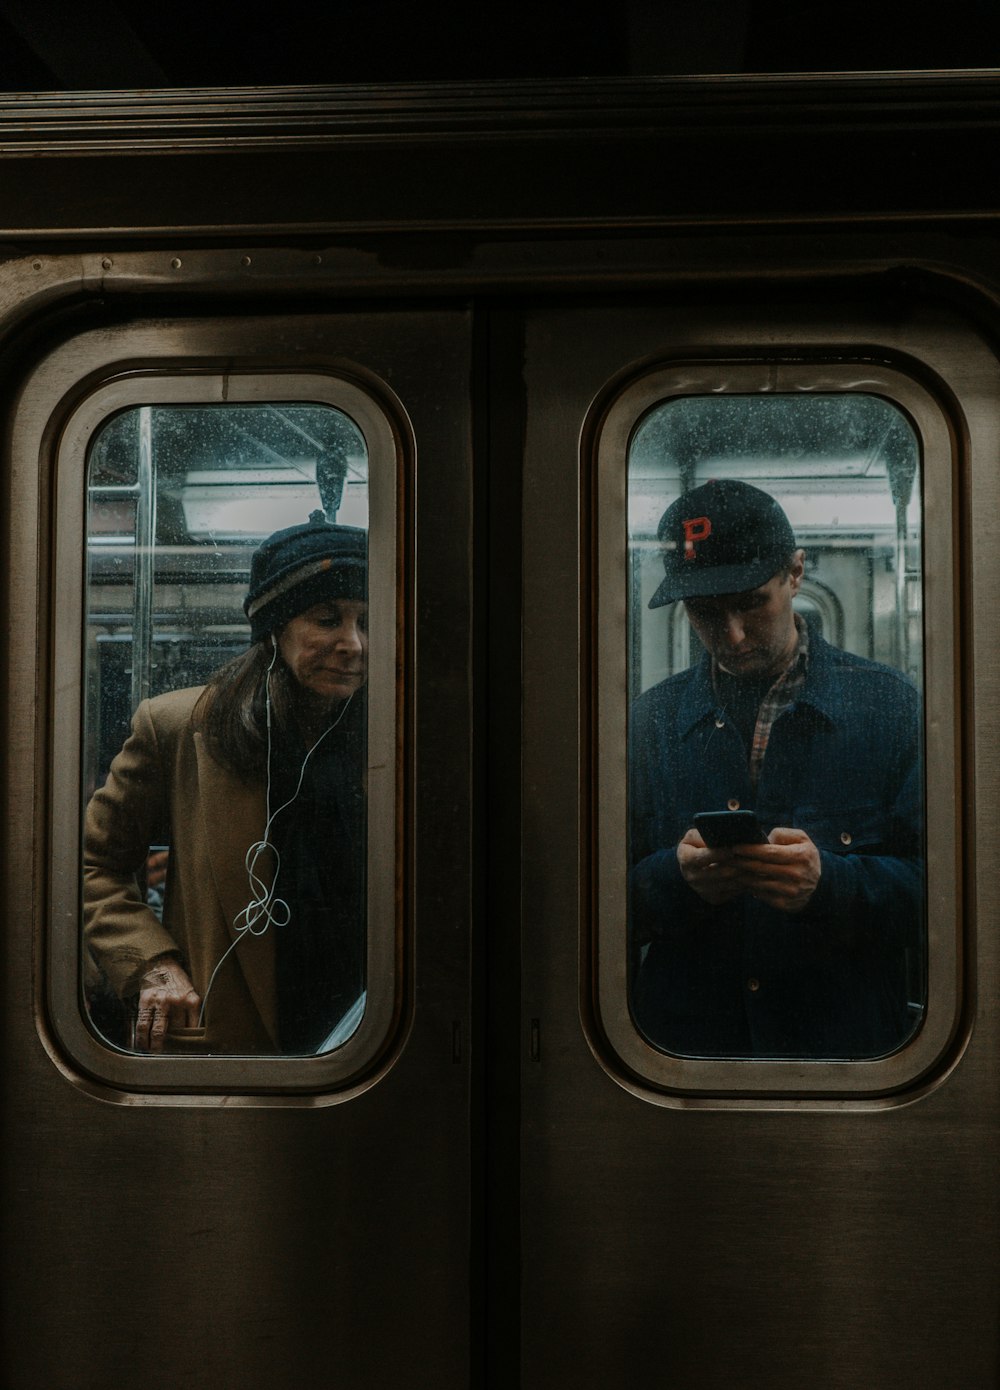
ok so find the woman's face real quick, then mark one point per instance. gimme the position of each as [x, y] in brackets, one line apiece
[326, 648]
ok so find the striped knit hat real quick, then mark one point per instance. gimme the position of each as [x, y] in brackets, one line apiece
[302, 565]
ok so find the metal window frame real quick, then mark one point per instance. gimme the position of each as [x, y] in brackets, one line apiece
[939, 434]
[214, 363]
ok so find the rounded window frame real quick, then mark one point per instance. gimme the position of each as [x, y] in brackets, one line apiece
[182, 379]
[634, 1059]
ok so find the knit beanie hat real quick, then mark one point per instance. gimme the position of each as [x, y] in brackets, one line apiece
[302, 565]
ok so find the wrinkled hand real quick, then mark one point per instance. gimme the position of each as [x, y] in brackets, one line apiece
[712, 873]
[156, 868]
[783, 873]
[167, 999]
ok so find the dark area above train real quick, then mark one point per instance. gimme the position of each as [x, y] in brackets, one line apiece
[46, 45]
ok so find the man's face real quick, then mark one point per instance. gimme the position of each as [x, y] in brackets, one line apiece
[751, 633]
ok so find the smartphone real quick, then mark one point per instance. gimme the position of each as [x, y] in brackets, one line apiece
[720, 829]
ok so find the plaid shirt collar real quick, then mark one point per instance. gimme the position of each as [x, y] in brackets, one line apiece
[782, 693]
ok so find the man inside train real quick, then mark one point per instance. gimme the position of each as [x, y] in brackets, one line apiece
[807, 944]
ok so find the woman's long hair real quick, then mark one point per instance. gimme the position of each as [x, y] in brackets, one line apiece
[232, 709]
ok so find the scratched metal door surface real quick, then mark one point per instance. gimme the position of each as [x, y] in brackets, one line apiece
[222, 1236]
[698, 1239]
[688, 1239]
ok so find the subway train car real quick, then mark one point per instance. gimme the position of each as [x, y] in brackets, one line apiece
[502, 328]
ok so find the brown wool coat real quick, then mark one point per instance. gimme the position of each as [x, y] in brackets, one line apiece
[164, 787]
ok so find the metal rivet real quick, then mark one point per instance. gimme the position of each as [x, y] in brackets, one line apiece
[36, 265]
[107, 263]
[720, 723]
[176, 263]
[733, 803]
[245, 260]
[846, 837]
[753, 985]
[317, 259]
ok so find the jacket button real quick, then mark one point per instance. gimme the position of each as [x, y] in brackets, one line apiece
[846, 837]
[720, 723]
[753, 985]
[733, 803]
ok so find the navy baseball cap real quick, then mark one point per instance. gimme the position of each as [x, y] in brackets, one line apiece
[721, 538]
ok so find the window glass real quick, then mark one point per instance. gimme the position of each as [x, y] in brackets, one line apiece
[775, 667]
[225, 729]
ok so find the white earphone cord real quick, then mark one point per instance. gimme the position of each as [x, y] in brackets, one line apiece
[264, 907]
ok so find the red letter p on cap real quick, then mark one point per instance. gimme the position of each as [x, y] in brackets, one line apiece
[698, 528]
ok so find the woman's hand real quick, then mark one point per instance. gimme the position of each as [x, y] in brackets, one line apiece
[167, 999]
[156, 868]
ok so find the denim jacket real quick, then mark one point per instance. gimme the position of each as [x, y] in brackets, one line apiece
[842, 978]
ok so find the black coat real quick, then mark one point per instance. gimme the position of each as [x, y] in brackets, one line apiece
[844, 977]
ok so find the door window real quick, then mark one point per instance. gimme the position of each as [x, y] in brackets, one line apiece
[224, 766]
[775, 644]
[765, 628]
[227, 721]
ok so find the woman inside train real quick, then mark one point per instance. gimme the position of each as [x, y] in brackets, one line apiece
[256, 781]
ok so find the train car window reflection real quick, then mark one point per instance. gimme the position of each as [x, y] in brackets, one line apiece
[226, 729]
[775, 668]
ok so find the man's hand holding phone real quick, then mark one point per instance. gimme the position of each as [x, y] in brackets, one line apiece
[783, 873]
[727, 853]
[711, 871]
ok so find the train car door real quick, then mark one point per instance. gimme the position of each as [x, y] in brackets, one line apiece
[656, 1214]
[704, 1215]
[221, 1220]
